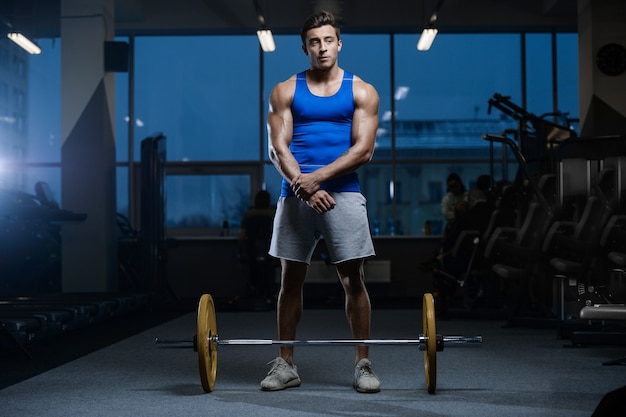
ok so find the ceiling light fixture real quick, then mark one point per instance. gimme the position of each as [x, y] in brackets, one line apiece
[25, 43]
[266, 39]
[426, 38]
[430, 31]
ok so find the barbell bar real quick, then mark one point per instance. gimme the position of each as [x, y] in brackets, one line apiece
[421, 341]
[206, 342]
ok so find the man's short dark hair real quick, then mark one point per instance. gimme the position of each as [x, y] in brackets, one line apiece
[317, 20]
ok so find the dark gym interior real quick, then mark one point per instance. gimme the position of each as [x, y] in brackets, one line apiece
[543, 280]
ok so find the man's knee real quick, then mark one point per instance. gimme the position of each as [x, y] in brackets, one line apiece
[293, 275]
[351, 277]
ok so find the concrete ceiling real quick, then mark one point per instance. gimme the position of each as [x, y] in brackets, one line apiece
[41, 18]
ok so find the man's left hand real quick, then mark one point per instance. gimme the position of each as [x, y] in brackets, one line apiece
[304, 186]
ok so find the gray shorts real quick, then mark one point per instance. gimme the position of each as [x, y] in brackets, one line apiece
[298, 228]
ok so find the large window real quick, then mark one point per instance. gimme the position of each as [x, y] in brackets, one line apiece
[441, 113]
[30, 117]
[208, 95]
[202, 93]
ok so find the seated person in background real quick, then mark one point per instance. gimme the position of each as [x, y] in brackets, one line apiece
[474, 215]
[456, 192]
[254, 241]
[453, 203]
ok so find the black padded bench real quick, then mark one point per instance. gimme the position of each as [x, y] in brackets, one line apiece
[614, 313]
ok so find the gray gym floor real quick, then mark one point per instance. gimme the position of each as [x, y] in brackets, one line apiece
[516, 372]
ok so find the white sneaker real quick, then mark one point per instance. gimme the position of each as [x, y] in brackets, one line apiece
[365, 380]
[281, 376]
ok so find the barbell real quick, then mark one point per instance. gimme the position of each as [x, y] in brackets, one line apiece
[206, 342]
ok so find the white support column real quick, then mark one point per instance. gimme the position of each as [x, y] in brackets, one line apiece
[88, 149]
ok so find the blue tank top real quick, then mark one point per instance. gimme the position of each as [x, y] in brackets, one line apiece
[322, 131]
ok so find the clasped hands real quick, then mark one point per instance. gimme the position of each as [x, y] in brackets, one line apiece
[307, 189]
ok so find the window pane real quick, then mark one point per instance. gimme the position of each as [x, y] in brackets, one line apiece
[442, 95]
[457, 76]
[30, 115]
[567, 75]
[286, 60]
[208, 112]
[41, 139]
[205, 202]
[539, 74]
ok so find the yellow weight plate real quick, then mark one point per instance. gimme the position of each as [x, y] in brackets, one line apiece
[430, 332]
[207, 349]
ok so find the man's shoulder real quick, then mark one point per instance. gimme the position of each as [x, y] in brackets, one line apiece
[360, 83]
[355, 77]
[289, 82]
[284, 91]
[363, 91]
[286, 86]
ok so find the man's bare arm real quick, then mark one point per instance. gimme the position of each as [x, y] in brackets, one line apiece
[280, 130]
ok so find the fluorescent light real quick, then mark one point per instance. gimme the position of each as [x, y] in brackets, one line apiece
[266, 40]
[426, 39]
[28, 45]
[401, 93]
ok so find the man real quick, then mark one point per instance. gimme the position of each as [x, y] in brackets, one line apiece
[322, 127]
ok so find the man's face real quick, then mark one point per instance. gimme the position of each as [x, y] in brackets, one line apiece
[322, 47]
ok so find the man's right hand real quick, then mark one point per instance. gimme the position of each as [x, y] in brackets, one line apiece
[321, 202]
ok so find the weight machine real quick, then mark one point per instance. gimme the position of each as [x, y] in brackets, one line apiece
[538, 138]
